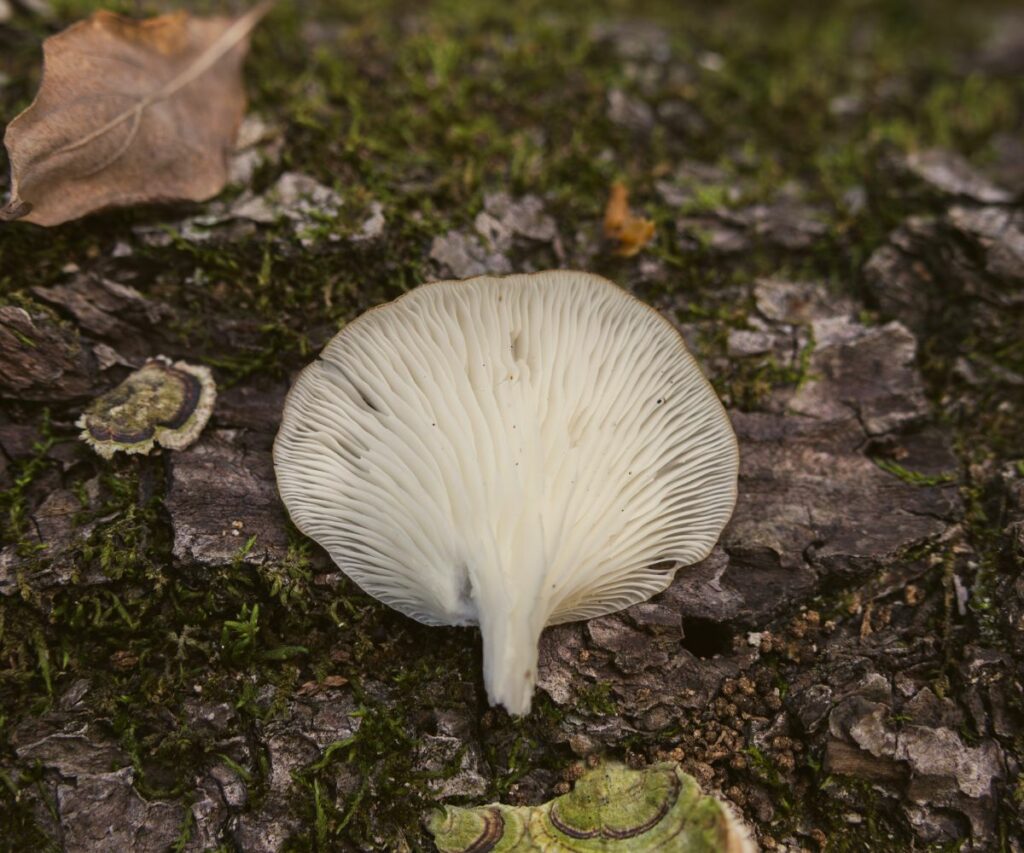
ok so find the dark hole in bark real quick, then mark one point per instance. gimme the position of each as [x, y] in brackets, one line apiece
[705, 638]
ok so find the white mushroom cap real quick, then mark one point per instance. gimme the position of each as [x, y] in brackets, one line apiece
[509, 452]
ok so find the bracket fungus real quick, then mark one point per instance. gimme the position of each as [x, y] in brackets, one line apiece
[161, 403]
[659, 808]
[508, 452]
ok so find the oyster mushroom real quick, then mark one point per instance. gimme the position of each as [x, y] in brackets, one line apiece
[659, 808]
[509, 452]
[161, 403]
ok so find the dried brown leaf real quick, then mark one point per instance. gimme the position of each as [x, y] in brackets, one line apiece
[631, 232]
[311, 687]
[129, 112]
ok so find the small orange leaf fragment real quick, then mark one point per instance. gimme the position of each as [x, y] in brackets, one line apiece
[620, 224]
[311, 687]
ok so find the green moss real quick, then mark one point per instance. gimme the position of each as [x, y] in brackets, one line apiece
[597, 699]
[381, 752]
[13, 503]
[20, 826]
[914, 478]
[876, 829]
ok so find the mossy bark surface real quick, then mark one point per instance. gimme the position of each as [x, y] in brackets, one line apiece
[838, 234]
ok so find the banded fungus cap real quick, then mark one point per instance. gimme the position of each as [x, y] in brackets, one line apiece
[659, 809]
[509, 452]
[163, 402]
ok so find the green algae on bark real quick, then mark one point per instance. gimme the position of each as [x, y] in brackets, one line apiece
[659, 808]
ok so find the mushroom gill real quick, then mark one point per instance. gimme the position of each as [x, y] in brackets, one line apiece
[508, 452]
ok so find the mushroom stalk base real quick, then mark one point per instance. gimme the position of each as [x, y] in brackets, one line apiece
[510, 657]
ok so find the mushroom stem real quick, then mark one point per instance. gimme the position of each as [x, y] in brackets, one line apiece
[510, 655]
